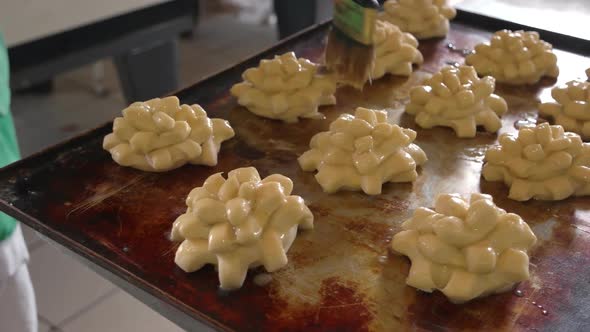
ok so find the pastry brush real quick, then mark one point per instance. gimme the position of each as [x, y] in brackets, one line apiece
[350, 53]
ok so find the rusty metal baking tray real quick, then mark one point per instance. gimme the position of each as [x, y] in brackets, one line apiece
[341, 276]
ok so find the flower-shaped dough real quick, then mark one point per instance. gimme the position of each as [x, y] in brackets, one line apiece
[363, 151]
[465, 249]
[517, 57]
[572, 107]
[160, 134]
[285, 88]
[541, 162]
[239, 223]
[457, 98]
[422, 18]
[395, 51]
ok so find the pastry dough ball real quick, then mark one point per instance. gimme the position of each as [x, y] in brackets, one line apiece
[541, 162]
[518, 57]
[571, 108]
[395, 51]
[239, 223]
[422, 18]
[285, 88]
[160, 134]
[457, 98]
[465, 249]
[363, 151]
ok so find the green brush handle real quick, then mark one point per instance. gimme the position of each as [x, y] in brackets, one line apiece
[356, 19]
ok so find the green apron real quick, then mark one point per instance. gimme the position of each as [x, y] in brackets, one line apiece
[8, 146]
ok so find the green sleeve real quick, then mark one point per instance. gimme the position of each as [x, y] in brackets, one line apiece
[7, 225]
[8, 145]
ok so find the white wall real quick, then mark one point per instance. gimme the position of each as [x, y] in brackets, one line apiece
[26, 20]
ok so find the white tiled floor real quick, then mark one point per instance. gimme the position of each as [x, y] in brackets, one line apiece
[62, 285]
[70, 297]
[43, 120]
[125, 313]
[32, 239]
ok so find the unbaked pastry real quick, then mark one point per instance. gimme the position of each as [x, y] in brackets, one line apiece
[541, 162]
[518, 57]
[422, 18]
[572, 107]
[457, 98]
[160, 134]
[285, 88]
[239, 223]
[363, 151]
[395, 51]
[465, 249]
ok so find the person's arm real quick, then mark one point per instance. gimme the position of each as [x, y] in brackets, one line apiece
[8, 144]
[18, 310]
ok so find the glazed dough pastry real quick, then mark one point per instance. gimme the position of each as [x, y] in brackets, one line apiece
[422, 18]
[395, 51]
[362, 152]
[572, 107]
[457, 98]
[517, 57]
[239, 223]
[160, 134]
[285, 88]
[465, 249]
[542, 162]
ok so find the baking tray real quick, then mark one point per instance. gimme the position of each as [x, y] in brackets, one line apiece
[341, 276]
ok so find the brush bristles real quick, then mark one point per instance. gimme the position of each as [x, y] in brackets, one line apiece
[350, 62]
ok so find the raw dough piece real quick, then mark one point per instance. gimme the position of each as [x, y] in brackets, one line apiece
[457, 98]
[517, 57]
[572, 107]
[422, 18]
[160, 134]
[395, 51]
[363, 152]
[465, 249]
[239, 223]
[285, 88]
[542, 162]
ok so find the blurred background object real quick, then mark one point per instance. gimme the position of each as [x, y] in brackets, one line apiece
[294, 16]
[140, 36]
[567, 17]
